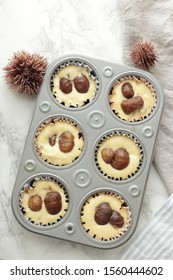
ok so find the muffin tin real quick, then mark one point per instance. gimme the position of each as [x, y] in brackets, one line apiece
[82, 179]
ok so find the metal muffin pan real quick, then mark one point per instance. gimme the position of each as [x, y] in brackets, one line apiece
[82, 178]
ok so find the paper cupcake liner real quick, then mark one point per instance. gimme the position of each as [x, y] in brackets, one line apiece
[52, 121]
[54, 219]
[136, 142]
[98, 232]
[92, 75]
[143, 116]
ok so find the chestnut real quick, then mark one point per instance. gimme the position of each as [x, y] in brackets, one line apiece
[127, 90]
[52, 140]
[65, 85]
[53, 202]
[121, 159]
[116, 220]
[107, 155]
[35, 203]
[81, 83]
[130, 105]
[103, 213]
[66, 142]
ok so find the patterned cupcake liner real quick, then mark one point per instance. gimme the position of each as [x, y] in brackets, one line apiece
[52, 122]
[99, 232]
[92, 75]
[28, 188]
[136, 142]
[137, 79]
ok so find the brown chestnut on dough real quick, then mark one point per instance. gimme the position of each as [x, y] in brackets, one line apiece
[130, 105]
[81, 83]
[35, 203]
[52, 140]
[107, 155]
[65, 85]
[53, 202]
[127, 90]
[116, 220]
[121, 159]
[66, 142]
[103, 213]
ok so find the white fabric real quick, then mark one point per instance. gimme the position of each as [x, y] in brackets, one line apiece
[153, 20]
[155, 240]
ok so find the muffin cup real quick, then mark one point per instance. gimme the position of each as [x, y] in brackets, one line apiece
[40, 186]
[74, 99]
[136, 154]
[148, 93]
[53, 155]
[106, 232]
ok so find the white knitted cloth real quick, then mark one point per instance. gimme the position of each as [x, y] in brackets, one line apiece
[153, 20]
[155, 240]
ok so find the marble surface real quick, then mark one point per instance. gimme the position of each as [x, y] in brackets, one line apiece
[53, 28]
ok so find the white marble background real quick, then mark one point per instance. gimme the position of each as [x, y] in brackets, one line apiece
[53, 28]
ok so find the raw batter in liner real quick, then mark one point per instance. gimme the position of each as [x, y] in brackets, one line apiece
[52, 153]
[74, 98]
[115, 142]
[104, 232]
[42, 187]
[141, 88]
